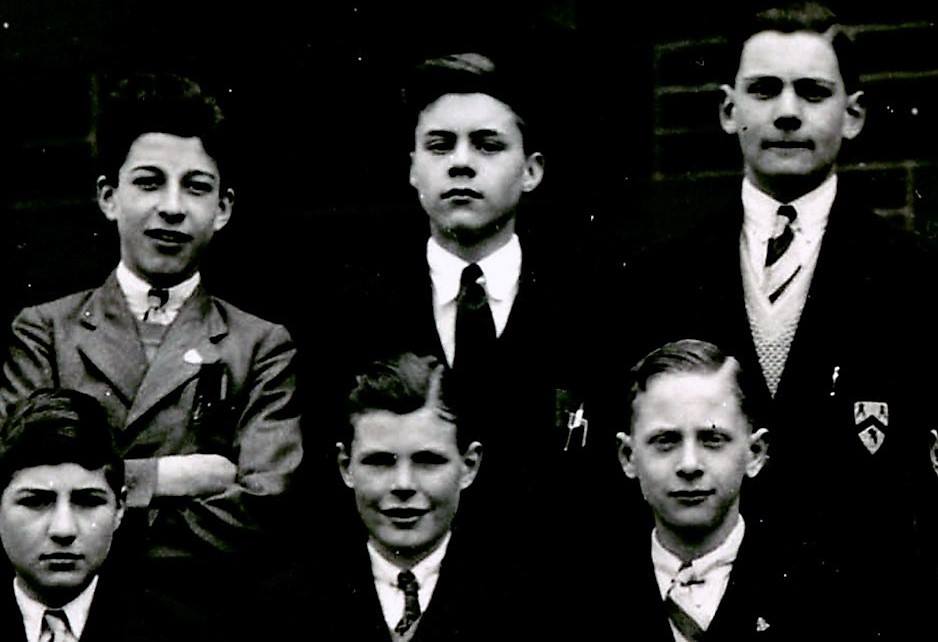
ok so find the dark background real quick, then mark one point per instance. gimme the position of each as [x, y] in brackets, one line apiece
[626, 98]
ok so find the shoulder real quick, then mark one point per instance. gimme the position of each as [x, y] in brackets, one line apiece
[244, 323]
[66, 307]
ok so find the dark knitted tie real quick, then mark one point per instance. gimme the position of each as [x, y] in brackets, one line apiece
[408, 584]
[475, 328]
[781, 266]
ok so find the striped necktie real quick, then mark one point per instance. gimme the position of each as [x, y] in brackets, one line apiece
[408, 584]
[781, 265]
[685, 624]
[55, 627]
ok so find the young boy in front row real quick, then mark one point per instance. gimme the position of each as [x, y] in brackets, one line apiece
[407, 454]
[708, 574]
[62, 498]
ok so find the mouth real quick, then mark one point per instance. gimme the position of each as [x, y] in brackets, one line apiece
[788, 144]
[461, 194]
[690, 497]
[404, 516]
[61, 561]
[170, 237]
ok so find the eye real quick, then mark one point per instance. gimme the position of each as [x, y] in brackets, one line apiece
[764, 88]
[714, 438]
[438, 145]
[378, 459]
[89, 500]
[491, 146]
[199, 187]
[34, 501]
[429, 458]
[813, 91]
[665, 441]
[147, 183]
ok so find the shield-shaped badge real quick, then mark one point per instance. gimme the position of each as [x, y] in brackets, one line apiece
[872, 420]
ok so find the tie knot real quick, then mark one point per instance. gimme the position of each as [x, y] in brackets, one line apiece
[407, 582]
[788, 212]
[471, 275]
[157, 297]
[56, 622]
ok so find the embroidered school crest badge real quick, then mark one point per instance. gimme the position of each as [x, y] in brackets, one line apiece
[871, 419]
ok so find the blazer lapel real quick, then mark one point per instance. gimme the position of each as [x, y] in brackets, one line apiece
[189, 342]
[110, 340]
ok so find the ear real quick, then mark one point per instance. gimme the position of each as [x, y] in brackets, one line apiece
[728, 110]
[626, 453]
[225, 204]
[412, 178]
[856, 115]
[533, 171]
[758, 451]
[471, 459]
[121, 504]
[343, 458]
[106, 201]
[933, 451]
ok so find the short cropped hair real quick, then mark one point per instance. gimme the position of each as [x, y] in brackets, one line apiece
[164, 103]
[468, 73]
[59, 426]
[688, 356]
[404, 384]
[791, 17]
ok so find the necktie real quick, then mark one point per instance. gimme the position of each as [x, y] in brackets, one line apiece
[475, 328]
[686, 625]
[408, 584]
[55, 627]
[781, 266]
[156, 299]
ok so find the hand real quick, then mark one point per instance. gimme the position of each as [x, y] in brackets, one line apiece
[194, 475]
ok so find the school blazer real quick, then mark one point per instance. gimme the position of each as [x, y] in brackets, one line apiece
[221, 382]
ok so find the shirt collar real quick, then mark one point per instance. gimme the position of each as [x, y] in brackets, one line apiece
[501, 268]
[813, 208]
[668, 564]
[385, 571]
[136, 291]
[76, 611]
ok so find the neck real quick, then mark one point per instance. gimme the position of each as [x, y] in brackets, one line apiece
[474, 245]
[405, 559]
[53, 598]
[786, 189]
[689, 544]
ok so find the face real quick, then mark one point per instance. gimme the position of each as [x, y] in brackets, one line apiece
[167, 204]
[690, 448]
[933, 452]
[470, 168]
[789, 108]
[56, 524]
[407, 474]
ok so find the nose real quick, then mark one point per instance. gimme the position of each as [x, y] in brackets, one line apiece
[172, 206]
[64, 527]
[461, 161]
[788, 110]
[403, 482]
[689, 465]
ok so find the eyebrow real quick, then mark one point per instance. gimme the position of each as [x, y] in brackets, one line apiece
[800, 79]
[156, 169]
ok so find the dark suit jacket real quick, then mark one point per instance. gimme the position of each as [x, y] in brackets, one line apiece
[541, 373]
[120, 613]
[769, 596]
[865, 320]
[222, 382]
[334, 598]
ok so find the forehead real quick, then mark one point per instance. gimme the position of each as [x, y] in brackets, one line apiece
[801, 54]
[689, 400]
[58, 478]
[169, 151]
[467, 112]
[382, 430]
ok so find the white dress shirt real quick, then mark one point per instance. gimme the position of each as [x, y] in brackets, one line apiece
[427, 572]
[698, 588]
[137, 292]
[76, 611]
[502, 271]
